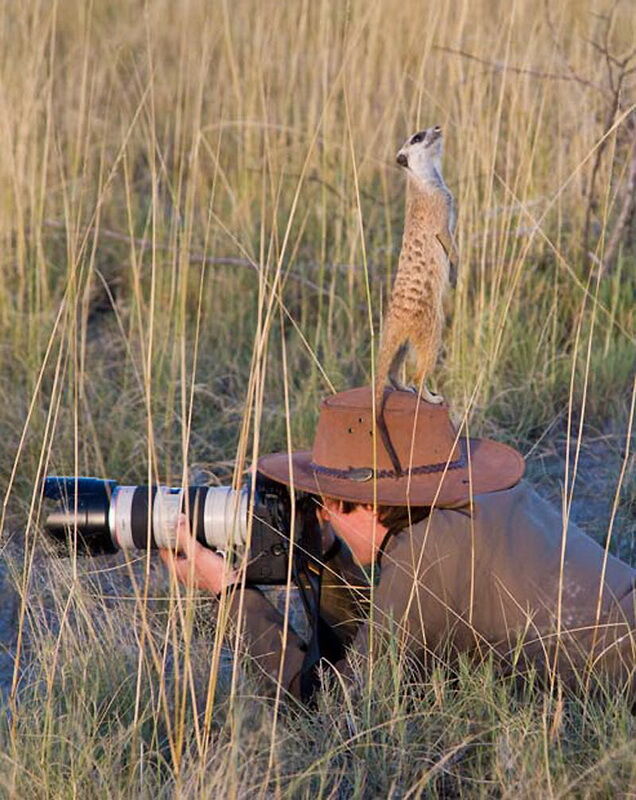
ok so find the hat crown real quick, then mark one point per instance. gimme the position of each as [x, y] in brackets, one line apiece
[347, 437]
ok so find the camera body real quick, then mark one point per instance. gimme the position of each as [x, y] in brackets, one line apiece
[94, 516]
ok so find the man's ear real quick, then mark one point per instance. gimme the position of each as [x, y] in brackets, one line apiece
[328, 505]
[331, 504]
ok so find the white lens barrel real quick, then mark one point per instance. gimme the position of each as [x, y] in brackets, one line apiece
[225, 517]
[166, 508]
[120, 517]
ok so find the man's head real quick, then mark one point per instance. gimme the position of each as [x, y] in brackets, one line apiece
[364, 527]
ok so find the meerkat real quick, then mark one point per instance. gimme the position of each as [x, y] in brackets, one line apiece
[427, 266]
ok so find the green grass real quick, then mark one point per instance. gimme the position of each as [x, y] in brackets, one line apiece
[84, 728]
[200, 211]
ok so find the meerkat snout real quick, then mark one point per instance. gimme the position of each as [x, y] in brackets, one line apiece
[402, 160]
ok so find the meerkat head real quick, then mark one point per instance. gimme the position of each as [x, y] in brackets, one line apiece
[421, 154]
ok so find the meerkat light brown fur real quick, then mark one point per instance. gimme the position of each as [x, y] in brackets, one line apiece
[428, 258]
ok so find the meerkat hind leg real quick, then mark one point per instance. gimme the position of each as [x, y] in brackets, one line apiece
[435, 399]
[430, 397]
[424, 366]
[396, 363]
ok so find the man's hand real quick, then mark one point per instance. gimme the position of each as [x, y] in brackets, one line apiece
[195, 565]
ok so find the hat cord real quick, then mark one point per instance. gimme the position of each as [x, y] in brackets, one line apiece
[363, 474]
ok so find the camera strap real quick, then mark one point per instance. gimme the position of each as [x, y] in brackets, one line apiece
[308, 566]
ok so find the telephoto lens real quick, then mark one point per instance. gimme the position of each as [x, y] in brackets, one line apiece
[94, 516]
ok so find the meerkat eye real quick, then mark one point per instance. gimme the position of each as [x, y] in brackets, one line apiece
[417, 138]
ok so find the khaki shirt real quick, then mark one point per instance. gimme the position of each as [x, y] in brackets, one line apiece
[502, 581]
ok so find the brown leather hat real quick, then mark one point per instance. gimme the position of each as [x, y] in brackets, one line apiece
[436, 461]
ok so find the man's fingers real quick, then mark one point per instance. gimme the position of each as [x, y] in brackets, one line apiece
[171, 559]
[205, 569]
[180, 565]
[183, 570]
[191, 563]
[184, 541]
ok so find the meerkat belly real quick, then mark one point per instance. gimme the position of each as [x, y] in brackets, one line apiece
[419, 288]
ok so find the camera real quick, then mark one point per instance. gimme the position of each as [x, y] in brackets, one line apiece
[94, 516]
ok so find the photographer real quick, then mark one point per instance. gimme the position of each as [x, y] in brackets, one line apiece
[463, 554]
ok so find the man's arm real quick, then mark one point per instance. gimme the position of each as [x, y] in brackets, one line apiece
[262, 630]
[261, 625]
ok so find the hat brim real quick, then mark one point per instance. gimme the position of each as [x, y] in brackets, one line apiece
[491, 466]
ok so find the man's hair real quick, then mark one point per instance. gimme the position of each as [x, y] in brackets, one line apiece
[394, 518]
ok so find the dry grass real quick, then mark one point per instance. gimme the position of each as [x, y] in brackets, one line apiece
[187, 187]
